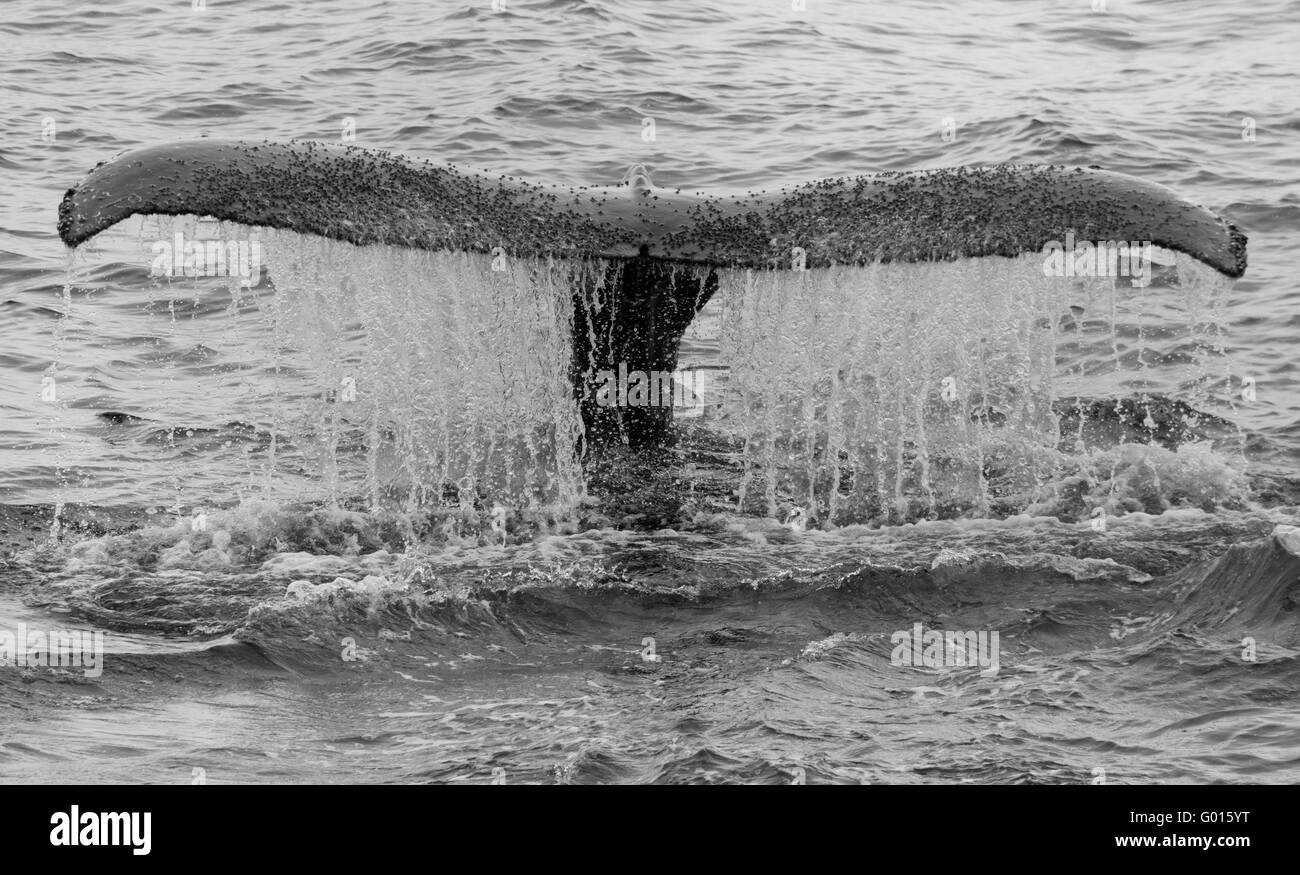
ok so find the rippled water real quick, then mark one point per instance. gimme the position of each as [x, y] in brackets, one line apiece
[1123, 646]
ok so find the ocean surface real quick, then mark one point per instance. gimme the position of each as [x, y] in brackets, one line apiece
[288, 593]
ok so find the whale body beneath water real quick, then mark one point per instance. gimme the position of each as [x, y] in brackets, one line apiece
[647, 234]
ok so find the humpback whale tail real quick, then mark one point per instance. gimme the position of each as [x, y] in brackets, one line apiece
[662, 247]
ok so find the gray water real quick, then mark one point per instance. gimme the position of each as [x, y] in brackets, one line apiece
[285, 596]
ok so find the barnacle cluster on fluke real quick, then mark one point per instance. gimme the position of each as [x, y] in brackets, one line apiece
[364, 197]
[367, 197]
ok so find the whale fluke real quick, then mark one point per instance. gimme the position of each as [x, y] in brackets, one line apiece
[363, 197]
[367, 197]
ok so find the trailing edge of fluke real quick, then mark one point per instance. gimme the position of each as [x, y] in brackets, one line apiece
[366, 197]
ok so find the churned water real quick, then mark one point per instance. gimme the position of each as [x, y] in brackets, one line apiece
[325, 523]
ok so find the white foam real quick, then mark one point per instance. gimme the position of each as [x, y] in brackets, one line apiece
[1288, 538]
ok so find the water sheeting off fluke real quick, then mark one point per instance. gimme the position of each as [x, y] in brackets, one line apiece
[437, 369]
[449, 372]
[898, 392]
